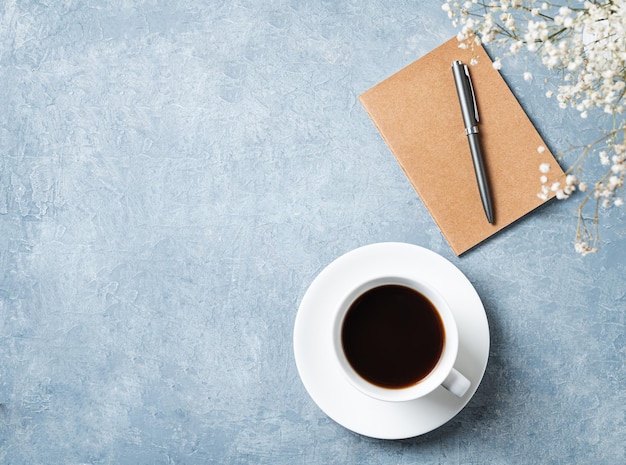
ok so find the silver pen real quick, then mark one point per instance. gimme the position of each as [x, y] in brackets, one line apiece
[465, 90]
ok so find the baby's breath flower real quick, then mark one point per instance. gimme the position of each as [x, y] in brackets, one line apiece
[614, 182]
[583, 248]
[516, 47]
[604, 158]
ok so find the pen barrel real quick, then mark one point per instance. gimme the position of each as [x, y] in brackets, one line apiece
[481, 176]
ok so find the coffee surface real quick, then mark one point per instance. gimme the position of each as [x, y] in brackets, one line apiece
[392, 336]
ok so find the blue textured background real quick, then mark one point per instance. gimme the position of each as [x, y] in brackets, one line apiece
[172, 177]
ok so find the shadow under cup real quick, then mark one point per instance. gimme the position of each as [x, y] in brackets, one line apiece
[395, 339]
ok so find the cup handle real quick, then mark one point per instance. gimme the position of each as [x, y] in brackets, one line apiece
[456, 383]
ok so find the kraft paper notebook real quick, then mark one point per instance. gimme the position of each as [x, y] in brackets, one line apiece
[417, 113]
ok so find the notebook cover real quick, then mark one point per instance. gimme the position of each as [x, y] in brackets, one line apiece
[417, 112]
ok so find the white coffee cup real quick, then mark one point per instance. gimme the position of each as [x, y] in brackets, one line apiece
[442, 374]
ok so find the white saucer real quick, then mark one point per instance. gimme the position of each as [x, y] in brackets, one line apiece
[318, 369]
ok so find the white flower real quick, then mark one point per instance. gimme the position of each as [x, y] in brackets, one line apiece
[516, 47]
[583, 248]
[527, 76]
[604, 158]
[508, 20]
[544, 168]
[564, 11]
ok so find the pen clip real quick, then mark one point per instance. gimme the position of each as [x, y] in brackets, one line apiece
[471, 86]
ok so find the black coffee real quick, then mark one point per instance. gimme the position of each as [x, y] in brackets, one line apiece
[392, 336]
